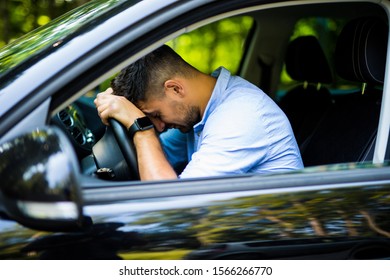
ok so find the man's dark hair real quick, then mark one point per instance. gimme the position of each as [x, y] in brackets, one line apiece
[146, 76]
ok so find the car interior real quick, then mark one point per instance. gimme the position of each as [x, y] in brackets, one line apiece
[321, 63]
[337, 119]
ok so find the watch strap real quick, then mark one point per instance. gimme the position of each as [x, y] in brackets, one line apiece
[140, 124]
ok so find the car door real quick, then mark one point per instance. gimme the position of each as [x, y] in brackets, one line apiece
[338, 213]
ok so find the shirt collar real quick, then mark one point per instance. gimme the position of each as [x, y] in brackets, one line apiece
[217, 96]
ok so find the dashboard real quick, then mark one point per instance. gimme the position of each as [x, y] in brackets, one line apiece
[73, 123]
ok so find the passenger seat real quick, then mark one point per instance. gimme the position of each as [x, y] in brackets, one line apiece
[348, 130]
[306, 103]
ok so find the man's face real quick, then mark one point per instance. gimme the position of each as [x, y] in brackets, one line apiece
[168, 113]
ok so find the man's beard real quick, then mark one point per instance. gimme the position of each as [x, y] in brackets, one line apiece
[192, 117]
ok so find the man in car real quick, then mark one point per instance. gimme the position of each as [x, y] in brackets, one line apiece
[212, 125]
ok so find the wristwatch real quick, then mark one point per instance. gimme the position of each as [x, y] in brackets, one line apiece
[140, 124]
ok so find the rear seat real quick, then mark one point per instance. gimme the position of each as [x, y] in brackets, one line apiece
[348, 130]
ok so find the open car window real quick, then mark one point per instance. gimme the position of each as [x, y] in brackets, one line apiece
[238, 43]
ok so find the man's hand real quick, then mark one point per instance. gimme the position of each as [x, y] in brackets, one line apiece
[117, 107]
[151, 158]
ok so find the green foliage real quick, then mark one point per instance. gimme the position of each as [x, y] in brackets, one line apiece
[217, 44]
[326, 30]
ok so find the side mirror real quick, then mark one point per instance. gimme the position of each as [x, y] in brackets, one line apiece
[38, 181]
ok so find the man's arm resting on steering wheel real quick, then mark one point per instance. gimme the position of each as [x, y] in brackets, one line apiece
[152, 162]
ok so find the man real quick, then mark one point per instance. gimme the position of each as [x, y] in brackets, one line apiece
[218, 124]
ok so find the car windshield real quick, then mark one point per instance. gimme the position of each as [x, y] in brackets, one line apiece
[56, 32]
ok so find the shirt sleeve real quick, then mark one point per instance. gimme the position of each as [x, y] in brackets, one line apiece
[174, 144]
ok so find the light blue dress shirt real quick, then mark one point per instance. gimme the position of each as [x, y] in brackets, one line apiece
[242, 131]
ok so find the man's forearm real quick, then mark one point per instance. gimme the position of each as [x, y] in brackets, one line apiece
[152, 163]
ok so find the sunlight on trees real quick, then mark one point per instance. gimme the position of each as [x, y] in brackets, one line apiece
[218, 44]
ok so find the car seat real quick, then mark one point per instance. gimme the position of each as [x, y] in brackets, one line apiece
[306, 103]
[348, 130]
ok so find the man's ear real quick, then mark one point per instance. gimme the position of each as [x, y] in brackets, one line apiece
[174, 87]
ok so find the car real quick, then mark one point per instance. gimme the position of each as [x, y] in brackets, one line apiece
[69, 187]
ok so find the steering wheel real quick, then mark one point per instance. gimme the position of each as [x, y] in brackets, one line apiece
[126, 145]
[116, 151]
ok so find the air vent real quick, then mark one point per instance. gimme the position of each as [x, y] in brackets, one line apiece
[78, 136]
[65, 118]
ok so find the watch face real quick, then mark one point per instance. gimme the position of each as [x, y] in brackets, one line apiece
[144, 123]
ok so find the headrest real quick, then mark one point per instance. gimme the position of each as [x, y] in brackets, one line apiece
[306, 61]
[361, 50]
